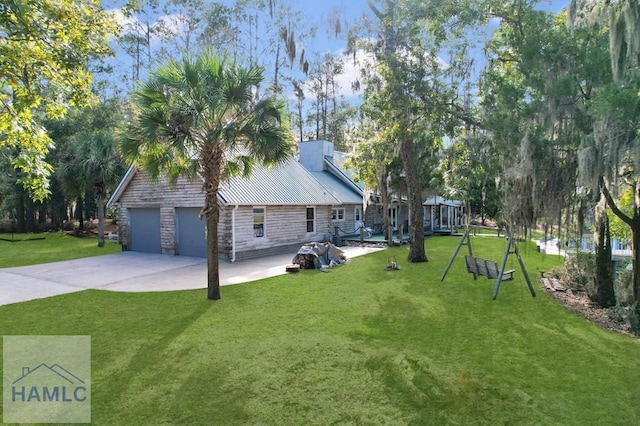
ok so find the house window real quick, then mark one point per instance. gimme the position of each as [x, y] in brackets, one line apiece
[337, 214]
[311, 219]
[358, 213]
[258, 222]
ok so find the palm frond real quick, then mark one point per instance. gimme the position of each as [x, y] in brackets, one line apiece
[204, 105]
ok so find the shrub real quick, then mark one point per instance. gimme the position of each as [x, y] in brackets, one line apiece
[623, 288]
[578, 272]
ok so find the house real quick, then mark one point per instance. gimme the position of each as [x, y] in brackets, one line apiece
[274, 210]
[442, 215]
[397, 211]
[325, 165]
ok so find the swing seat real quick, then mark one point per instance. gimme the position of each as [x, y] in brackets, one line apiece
[493, 271]
[481, 265]
[471, 265]
[486, 268]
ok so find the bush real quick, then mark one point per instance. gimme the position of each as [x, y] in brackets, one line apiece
[68, 225]
[623, 288]
[579, 272]
[7, 226]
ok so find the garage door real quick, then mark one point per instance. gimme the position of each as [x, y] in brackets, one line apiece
[144, 228]
[190, 232]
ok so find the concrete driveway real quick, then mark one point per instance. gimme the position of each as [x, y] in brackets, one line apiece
[135, 272]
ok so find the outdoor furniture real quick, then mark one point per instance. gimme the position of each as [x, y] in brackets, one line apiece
[486, 268]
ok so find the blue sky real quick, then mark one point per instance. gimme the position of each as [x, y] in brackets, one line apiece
[316, 13]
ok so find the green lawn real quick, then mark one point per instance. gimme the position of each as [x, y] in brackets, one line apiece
[31, 249]
[356, 345]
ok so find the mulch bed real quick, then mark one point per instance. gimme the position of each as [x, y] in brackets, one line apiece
[579, 303]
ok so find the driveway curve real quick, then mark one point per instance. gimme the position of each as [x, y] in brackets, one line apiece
[135, 272]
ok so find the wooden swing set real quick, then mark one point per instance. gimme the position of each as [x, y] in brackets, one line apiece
[488, 268]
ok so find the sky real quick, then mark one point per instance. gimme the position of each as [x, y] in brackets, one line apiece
[316, 13]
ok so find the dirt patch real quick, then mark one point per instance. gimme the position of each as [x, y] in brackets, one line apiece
[91, 229]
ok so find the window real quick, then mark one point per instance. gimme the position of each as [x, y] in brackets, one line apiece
[337, 214]
[311, 219]
[258, 222]
[358, 214]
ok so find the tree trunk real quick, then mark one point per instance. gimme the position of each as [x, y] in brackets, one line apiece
[100, 202]
[300, 120]
[20, 224]
[635, 246]
[635, 260]
[213, 255]
[212, 169]
[80, 213]
[417, 252]
[604, 290]
[384, 195]
[30, 214]
[634, 225]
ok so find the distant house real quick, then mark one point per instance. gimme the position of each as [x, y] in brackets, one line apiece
[275, 210]
[442, 215]
[374, 215]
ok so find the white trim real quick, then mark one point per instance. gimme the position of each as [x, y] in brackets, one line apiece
[264, 222]
[335, 211]
[233, 233]
[115, 196]
[306, 219]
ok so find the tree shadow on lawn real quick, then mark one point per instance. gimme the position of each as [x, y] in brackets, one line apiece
[153, 367]
[416, 377]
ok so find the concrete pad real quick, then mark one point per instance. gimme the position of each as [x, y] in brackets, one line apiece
[15, 288]
[100, 271]
[136, 272]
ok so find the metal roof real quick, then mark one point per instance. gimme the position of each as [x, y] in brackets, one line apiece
[438, 200]
[337, 188]
[286, 184]
[117, 193]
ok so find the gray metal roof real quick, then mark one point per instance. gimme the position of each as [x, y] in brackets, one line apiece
[285, 184]
[337, 188]
[438, 200]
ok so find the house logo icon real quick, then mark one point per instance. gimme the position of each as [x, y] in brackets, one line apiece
[46, 379]
[48, 383]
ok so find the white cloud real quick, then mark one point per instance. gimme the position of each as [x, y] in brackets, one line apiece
[352, 67]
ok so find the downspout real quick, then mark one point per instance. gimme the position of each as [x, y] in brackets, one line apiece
[233, 233]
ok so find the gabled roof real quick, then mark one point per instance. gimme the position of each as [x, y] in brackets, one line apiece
[337, 188]
[338, 183]
[131, 172]
[286, 184]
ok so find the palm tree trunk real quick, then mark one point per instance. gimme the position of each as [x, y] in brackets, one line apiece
[213, 161]
[213, 255]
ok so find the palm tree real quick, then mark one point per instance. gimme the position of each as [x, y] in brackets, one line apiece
[99, 167]
[87, 155]
[198, 117]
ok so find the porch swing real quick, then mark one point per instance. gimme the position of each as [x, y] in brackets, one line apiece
[488, 268]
